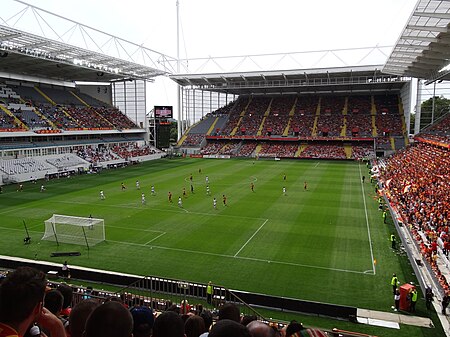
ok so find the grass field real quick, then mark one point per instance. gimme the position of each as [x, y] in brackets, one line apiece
[319, 244]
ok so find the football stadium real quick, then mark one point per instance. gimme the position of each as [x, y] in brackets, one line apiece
[279, 201]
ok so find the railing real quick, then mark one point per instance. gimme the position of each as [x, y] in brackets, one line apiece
[149, 289]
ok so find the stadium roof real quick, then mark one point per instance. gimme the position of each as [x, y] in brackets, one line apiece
[325, 80]
[29, 54]
[423, 48]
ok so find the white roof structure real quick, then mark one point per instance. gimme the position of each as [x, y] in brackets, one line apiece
[423, 48]
[41, 43]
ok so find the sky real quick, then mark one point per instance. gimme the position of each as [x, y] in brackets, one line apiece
[237, 27]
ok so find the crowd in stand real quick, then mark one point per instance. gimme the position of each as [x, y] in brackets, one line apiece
[74, 118]
[330, 124]
[29, 307]
[95, 155]
[247, 148]
[363, 151]
[323, 152]
[193, 139]
[416, 183]
[229, 148]
[359, 124]
[212, 148]
[279, 150]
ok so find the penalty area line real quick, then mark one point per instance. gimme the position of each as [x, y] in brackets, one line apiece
[155, 238]
[245, 244]
[242, 258]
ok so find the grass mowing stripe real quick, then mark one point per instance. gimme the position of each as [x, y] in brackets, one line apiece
[367, 218]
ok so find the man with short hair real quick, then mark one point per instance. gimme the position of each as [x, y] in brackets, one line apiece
[168, 324]
[79, 315]
[110, 319]
[260, 329]
[21, 304]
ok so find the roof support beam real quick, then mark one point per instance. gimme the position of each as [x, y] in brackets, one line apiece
[445, 16]
[428, 28]
[419, 38]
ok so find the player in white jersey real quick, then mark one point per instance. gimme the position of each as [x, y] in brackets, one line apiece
[138, 185]
[102, 195]
[215, 203]
[207, 179]
[143, 198]
[284, 190]
[153, 190]
[180, 202]
[42, 188]
[208, 192]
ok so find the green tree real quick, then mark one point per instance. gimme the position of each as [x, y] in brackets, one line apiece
[441, 107]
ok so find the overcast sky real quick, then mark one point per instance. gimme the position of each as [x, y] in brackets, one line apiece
[239, 27]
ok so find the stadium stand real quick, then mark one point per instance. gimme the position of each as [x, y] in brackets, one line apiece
[416, 184]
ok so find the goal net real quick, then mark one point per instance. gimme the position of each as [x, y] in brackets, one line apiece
[74, 230]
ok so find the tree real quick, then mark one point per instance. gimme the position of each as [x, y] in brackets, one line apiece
[441, 107]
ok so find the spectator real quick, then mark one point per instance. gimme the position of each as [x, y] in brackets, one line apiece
[228, 328]
[67, 293]
[142, 321]
[168, 324]
[79, 315]
[21, 297]
[229, 311]
[110, 319]
[260, 329]
[194, 326]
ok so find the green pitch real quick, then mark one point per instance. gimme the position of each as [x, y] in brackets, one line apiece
[316, 244]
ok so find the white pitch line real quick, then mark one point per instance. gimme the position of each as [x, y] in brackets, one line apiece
[159, 209]
[240, 257]
[318, 163]
[367, 218]
[13, 210]
[155, 238]
[245, 244]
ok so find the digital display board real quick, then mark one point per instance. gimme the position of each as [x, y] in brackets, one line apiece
[163, 111]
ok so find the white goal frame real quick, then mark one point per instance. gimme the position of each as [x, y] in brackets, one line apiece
[74, 230]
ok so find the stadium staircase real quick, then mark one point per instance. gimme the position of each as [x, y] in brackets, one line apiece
[213, 125]
[300, 149]
[41, 116]
[241, 116]
[79, 98]
[266, 114]
[392, 142]
[16, 120]
[291, 114]
[344, 127]
[344, 113]
[348, 151]
[52, 102]
[316, 119]
[373, 113]
[258, 149]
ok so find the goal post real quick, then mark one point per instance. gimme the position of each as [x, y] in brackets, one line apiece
[75, 230]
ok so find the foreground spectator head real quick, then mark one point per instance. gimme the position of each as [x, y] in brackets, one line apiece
[293, 328]
[110, 319]
[260, 329]
[21, 296]
[67, 293]
[194, 326]
[142, 321]
[207, 319]
[79, 315]
[168, 324]
[53, 301]
[246, 319]
[228, 328]
[230, 311]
